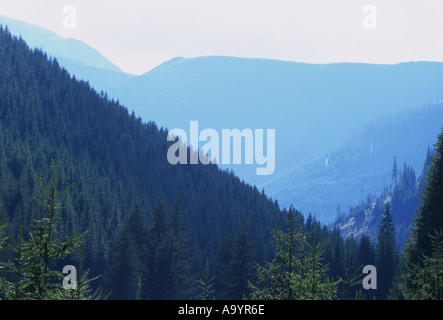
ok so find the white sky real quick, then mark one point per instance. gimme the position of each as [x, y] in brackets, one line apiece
[138, 35]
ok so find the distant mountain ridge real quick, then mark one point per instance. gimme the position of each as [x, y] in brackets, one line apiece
[362, 165]
[116, 161]
[316, 109]
[77, 57]
[313, 107]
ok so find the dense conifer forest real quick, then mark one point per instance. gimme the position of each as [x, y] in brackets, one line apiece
[86, 183]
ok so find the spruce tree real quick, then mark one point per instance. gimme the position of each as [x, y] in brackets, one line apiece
[430, 211]
[82, 290]
[297, 272]
[394, 174]
[275, 278]
[3, 238]
[158, 262]
[206, 282]
[33, 265]
[223, 268]
[126, 265]
[314, 281]
[365, 251]
[181, 283]
[240, 268]
[44, 245]
[429, 274]
[386, 254]
[429, 218]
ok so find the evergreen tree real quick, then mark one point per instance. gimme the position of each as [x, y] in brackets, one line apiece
[314, 280]
[337, 257]
[167, 263]
[429, 218]
[181, 256]
[45, 248]
[223, 269]
[275, 278]
[365, 251]
[127, 263]
[297, 271]
[386, 254]
[394, 174]
[3, 283]
[82, 289]
[116, 161]
[35, 278]
[206, 282]
[428, 280]
[240, 268]
[14, 290]
[430, 211]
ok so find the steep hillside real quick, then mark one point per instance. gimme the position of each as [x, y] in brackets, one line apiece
[80, 59]
[115, 160]
[318, 111]
[361, 165]
[403, 195]
[312, 107]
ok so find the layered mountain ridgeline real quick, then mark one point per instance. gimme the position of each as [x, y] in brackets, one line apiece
[115, 160]
[81, 60]
[312, 107]
[151, 225]
[362, 165]
[324, 158]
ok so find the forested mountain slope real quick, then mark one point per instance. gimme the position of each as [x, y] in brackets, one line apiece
[312, 107]
[80, 59]
[115, 160]
[361, 165]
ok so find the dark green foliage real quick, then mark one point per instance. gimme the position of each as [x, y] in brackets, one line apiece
[3, 239]
[315, 269]
[403, 196]
[417, 271]
[206, 282]
[82, 289]
[34, 267]
[223, 282]
[235, 266]
[297, 272]
[366, 254]
[44, 246]
[152, 262]
[116, 162]
[394, 175]
[430, 211]
[274, 279]
[127, 264]
[429, 272]
[386, 254]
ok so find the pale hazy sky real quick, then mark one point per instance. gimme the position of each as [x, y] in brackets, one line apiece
[138, 35]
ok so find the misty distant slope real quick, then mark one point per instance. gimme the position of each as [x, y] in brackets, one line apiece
[362, 165]
[116, 161]
[76, 56]
[312, 107]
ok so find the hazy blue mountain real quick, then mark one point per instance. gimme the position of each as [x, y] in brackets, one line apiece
[319, 112]
[314, 109]
[403, 195]
[77, 57]
[362, 165]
